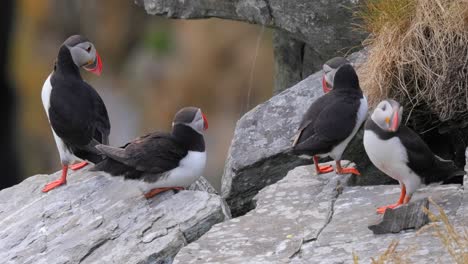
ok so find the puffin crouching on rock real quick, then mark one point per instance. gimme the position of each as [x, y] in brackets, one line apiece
[158, 162]
[76, 112]
[332, 121]
[400, 153]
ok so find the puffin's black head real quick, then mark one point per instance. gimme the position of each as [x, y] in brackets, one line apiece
[192, 117]
[329, 70]
[84, 54]
[387, 115]
[346, 78]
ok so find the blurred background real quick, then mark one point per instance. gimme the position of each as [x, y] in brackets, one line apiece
[152, 67]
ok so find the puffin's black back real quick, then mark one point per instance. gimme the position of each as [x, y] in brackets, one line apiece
[151, 155]
[77, 113]
[346, 79]
[332, 117]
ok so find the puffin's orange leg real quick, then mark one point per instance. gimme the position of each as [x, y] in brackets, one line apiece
[341, 170]
[153, 192]
[79, 165]
[57, 183]
[322, 169]
[401, 201]
[407, 199]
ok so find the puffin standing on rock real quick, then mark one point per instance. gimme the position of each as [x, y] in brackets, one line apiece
[329, 70]
[158, 161]
[401, 154]
[76, 112]
[332, 120]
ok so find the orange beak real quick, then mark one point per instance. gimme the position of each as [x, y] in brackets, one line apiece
[205, 122]
[95, 67]
[325, 87]
[394, 125]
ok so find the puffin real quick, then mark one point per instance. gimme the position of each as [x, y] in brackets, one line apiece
[400, 153]
[159, 161]
[332, 121]
[76, 113]
[329, 70]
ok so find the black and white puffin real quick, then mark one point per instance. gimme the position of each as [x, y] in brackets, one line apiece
[161, 161]
[76, 112]
[332, 120]
[329, 69]
[400, 153]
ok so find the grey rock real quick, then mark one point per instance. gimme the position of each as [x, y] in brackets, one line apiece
[308, 32]
[96, 218]
[408, 216]
[305, 218]
[259, 155]
[288, 53]
[328, 25]
[287, 213]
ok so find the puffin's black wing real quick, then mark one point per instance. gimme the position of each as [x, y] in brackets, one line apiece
[101, 120]
[311, 116]
[154, 153]
[422, 161]
[78, 116]
[330, 121]
[71, 111]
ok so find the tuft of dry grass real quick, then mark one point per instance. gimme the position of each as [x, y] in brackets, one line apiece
[418, 55]
[377, 15]
[390, 255]
[454, 241]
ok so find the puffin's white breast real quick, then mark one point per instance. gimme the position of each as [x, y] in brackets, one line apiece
[66, 156]
[45, 95]
[338, 150]
[190, 168]
[390, 156]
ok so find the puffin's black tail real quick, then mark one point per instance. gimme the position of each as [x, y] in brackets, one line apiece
[111, 166]
[447, 172]
[116, 168]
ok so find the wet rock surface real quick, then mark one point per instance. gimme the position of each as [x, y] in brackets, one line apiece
[305, 218]
[99, 219]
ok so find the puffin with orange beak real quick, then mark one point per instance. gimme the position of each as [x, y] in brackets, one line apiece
[332, 121]
[159, 161]
[400, 153]
[76, 112]
[329, 70]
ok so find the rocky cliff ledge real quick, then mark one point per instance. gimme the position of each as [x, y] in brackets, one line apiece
[259, 155]
[99, 219]
[305, 218]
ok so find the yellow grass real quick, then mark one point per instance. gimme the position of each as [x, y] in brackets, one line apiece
[418, 55]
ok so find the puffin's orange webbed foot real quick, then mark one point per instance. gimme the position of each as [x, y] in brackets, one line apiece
[348, 170]
[78, 166]
[321, 169]
[54, 184]
[324, 169]
[382, 209]
[57, 183]
[156, 191]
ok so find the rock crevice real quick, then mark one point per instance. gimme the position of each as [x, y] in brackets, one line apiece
[307, 218]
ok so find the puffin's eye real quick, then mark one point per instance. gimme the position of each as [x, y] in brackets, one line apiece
[89, 49]
[384, 107]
